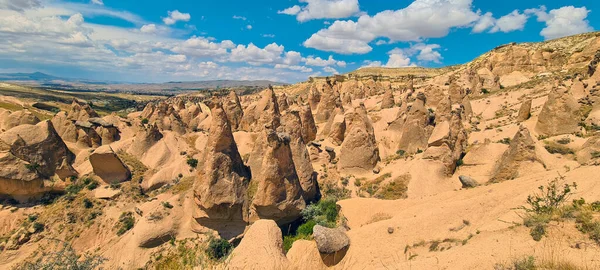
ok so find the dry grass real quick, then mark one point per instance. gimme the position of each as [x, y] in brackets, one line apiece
[378, 217]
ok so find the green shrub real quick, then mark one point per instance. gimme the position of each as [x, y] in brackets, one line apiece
[32, 167]
[65, 258]
[554, 148]
[192, 162]
[126, 223]
[167, 205]
[145, 121]
[87, 203]
[93, 185]
[307, 228]
[218, 248]
[485, 91]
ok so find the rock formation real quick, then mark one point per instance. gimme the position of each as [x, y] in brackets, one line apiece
[265, 113]
[233, 109]
[524, 111]
[81, 111]
[415, 130]
[560, 114]
[261, 248]
[222, 181]
[304, 169]
[282, 101]
[145, 138]
[359, 149]
[17, 118]
[387, 100]
[330, 100]
[278, 191]
[330, 241]
[309, 128]
[521, 152]
[108, 166]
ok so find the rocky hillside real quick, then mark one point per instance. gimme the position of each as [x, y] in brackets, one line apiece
[487, 165]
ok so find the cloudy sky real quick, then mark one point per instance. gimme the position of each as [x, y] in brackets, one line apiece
[282, 40]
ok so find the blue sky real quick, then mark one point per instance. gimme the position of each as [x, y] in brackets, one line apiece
[283, 40]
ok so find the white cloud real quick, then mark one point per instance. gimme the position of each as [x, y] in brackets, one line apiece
[369, 63]
[318, 61]
[294, 67]
[564, 21]
[255, 55]
[330, 70]
[97, 2]
[268, 35]
[485, 22]
[202, 47]
[175, 16]
[149, 28]
[421, 19]
[249, 27]
[398, 59]
[236, 17]
[292, 58]
[324, 9]
[511, 22]
[19, 5]
[290, 11]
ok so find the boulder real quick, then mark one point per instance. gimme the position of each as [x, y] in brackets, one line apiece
[467, 182]
[329, 240]
[359, 149]
[21, 117]
[261, 248]
[590, 152]
[278, 194]
[304, 254]
[81, 111]
[338, 129]
[108, 166]
[560, 114]
[524, 111]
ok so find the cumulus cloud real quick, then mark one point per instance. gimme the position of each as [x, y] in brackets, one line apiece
[330, 70]
[398, 58]
[318, 61]
[564, 21]
[149, 28]
[254, 55]
[97, 2]
[249, 27]
[294, 67]
[203, 47]
[175, 16]
[421, 19]
[323, 9]
[19, 5]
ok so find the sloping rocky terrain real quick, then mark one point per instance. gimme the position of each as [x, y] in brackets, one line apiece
[485, 165]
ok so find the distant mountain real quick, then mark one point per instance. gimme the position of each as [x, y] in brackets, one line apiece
[45, 80]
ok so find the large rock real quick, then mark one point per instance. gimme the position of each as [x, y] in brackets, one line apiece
[278, 193]
[81, 111]
[304, 254]
[448, 142]
[145, 138]
[521, 152]
[330, 100]
[40, 146]
[233, 109]
[304, 169]
[264, 113]
[282, 102]
[337, 130]
[21, 117]
[415, 132]
[590, 151]
[309, 128]
[261, 248]
[524, 111]
[330, 241]
[359, 149]
[388, 99]
[108, 166]
[221, 184]
[560, 114]
[467, 182]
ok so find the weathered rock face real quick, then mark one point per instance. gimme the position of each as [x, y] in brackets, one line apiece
[233, 109]
[359, 149]
[304, 254]
[330, 100]
[524, 111]
[309, 128]
[222, 181]
[314, 97]
[590, 152]
[22, 117]
[38, 145]
[456, 93]
[144, 139]
[108, 166]
[304, 169]
[415, 132]
[282, 101]
[337, 130]
[388, 99]
[261, 248]
[521, 151]
[278, 193]
[560, 114]
[81, 111]
[263, 114]
[448, 142]
[165, 116]
[330, 241]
